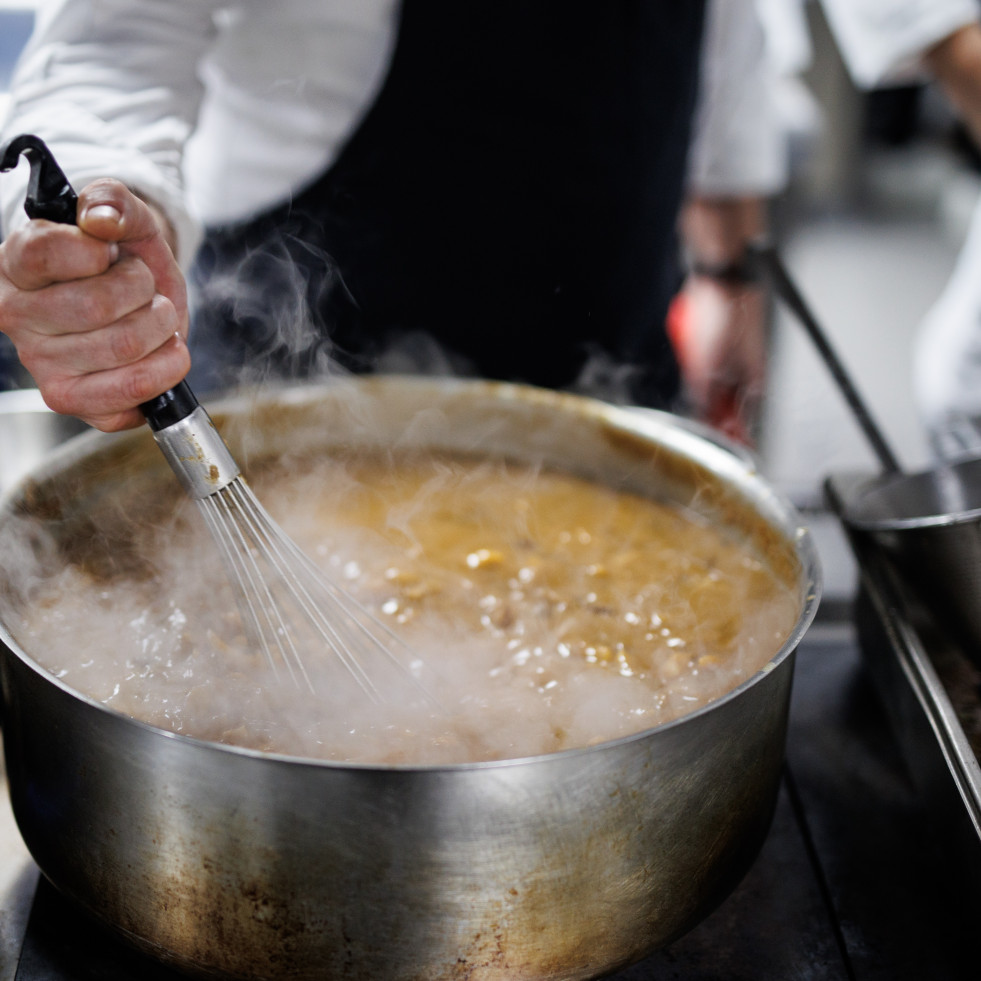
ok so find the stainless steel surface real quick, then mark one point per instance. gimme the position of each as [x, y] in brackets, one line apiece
[18, 880]
[853, 882]
[929, 523]
[29, 430]
[915, 661]
[564, 866]
[197, 454]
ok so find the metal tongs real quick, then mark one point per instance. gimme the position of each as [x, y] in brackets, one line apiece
[928, 522]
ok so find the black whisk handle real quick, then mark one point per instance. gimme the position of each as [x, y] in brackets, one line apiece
[50, 196]
[173, 406]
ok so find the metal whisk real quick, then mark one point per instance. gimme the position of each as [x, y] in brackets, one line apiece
[288, 606]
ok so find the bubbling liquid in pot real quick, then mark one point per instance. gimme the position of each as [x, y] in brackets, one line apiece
[550, 612]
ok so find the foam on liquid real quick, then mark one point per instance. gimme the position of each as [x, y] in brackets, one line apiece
[550, 612]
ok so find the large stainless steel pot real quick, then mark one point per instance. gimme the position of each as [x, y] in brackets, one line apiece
[228, 862]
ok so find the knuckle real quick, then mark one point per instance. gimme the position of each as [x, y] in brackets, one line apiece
[93, 308]
[35, 250]
[39, 356]
[49, 253]
[128, 287]
[166, 314]
[136, 279]
[129, 270]
[104, 186]
[139, 335]
[139, 384]
[112, 423]
[58, 396]
[127, 344]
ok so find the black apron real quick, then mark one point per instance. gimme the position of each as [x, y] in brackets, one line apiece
[511, 195]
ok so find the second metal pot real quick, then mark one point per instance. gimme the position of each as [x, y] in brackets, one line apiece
[929, 524]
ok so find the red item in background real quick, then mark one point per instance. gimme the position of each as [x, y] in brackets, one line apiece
[722, 412]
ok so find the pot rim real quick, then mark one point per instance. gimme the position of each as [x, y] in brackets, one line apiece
[682, 435]
[862, 495]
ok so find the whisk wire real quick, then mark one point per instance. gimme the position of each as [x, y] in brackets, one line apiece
[262, 620]
[267, 566]
[290, 566]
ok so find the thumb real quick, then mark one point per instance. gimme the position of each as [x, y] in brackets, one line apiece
[109, 210]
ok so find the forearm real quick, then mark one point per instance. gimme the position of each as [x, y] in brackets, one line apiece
[716, 230]
[956, 64]
[719, 328]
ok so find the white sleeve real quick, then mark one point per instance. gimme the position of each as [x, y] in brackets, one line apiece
[882, 41]
[112, 86]
[738, 144]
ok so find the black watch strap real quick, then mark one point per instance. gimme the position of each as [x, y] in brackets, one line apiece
[739, 272]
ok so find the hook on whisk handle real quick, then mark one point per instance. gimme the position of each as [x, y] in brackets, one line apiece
[50, 196]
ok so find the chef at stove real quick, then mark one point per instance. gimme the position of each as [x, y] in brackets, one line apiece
[350, 181]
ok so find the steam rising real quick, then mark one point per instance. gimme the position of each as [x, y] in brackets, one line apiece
[284, 312]
[259, 320]
[549, 612]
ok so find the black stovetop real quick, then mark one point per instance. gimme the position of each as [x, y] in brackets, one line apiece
[852, 883]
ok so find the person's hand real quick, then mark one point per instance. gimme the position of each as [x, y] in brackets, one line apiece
[97, 312]
[718, 331]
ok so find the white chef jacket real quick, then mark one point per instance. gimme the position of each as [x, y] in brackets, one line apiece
[883, 41]
[260, 95]
[218, 110]
[738, 144]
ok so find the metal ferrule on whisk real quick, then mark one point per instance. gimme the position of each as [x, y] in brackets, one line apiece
[197, 454]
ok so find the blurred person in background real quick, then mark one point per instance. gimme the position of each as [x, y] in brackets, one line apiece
[890, 42]
[351, 183]
[754, 109]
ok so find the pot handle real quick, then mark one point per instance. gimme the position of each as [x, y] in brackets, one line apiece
[50, 196]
